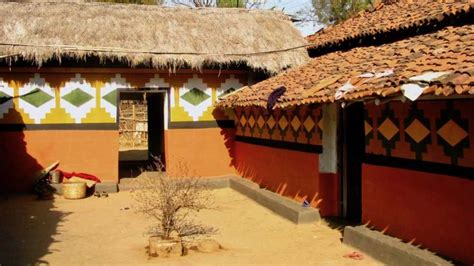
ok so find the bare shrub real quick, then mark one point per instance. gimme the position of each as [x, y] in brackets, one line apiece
[172, 202]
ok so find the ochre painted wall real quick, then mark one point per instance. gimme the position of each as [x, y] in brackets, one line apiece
[57, 112]
[192, 96]
[89, 151]
[88, 96]
[294, 174]
[203, 152]
[434, 210]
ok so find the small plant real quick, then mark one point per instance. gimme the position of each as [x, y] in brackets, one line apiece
[172, 201]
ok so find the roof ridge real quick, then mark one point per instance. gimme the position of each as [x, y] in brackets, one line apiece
[150, 7]
[148, 35]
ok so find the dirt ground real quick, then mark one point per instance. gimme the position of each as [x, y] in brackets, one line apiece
[108, 231]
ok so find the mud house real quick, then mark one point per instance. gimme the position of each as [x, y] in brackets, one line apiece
[377, 127]
[66, 67]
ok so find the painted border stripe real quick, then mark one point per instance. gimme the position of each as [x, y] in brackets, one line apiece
[202, 124]
[92, 126]
[422, 166]
[281, 144]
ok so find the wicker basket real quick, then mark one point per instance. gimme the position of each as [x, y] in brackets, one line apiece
[74, 190]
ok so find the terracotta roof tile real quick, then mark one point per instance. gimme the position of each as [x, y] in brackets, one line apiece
[375, 71]
[390, 19]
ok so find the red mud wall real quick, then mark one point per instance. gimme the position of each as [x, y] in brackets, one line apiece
[280, 151]
[204, 152]
[433, 210]
[294, 174]
[417, 183]
[329, 194]
[25, 152]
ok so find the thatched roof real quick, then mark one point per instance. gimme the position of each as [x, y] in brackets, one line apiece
[151, 35]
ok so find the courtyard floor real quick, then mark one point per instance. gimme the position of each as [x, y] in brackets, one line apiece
[108, 231]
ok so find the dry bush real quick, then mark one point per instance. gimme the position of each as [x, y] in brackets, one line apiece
[172, 202]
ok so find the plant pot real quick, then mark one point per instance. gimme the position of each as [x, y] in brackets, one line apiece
[165, 248]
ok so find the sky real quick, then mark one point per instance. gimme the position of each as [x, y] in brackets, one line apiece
[290, 7]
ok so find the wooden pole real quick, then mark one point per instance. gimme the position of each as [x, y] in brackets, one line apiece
[134, 122]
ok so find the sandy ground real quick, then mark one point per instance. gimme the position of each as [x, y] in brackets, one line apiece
[108, 231]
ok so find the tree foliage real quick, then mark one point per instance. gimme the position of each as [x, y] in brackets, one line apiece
[231, 3]
[335, 11]
[139, 2]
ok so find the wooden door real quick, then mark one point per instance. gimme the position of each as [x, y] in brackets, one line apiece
[352, 152]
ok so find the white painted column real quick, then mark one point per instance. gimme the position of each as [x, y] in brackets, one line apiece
[328, 159]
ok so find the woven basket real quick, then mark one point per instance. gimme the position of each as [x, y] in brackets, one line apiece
[74, 190]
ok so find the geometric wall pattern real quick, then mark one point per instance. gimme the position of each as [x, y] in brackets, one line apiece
[301, 124]
[194, 98]
[432, 131]
[6, 93]
[77, 97]
[63, 98]
[36, 98]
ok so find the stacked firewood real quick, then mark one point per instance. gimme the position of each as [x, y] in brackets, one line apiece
[133, 125]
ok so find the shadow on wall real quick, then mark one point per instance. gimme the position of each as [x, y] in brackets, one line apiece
[27, 225]
[17, 166]
[228, 134]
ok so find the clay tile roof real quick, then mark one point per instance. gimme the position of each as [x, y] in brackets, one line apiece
[439, 63]
[389, 19]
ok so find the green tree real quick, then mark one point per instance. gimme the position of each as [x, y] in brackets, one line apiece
[231, 3]
[335, 11]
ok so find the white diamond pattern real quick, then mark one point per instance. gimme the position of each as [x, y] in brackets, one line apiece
[78, 113]
[40, 112]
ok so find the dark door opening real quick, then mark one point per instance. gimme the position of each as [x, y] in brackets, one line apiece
[141, 131]
[352, 151]
[156, 130]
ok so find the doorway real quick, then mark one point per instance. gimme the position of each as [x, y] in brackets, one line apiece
[352, 152]
[141, 131]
